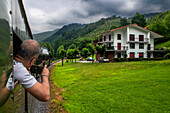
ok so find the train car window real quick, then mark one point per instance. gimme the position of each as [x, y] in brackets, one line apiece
[17, 42]
[6, 56]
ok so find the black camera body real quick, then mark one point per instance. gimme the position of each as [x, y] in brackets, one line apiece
[43, 59]
[36, 69]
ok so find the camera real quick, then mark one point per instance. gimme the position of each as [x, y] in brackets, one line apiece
[40, 62]
[36, 69]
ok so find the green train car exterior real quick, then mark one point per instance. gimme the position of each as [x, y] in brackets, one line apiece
[14, 29]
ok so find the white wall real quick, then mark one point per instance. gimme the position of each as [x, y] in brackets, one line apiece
[125, 32]
[137, 32]
[123, 37]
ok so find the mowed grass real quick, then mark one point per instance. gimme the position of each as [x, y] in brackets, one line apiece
[127, 87]
[162, 45]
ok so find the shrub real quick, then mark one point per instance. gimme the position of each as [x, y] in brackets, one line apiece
[119, 59]
[167, 56]
[67, 61]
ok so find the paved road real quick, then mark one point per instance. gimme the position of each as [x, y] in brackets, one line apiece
[54, 64]
[87, 61]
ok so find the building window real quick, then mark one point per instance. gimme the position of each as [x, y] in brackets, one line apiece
[141, 38]
[109, 37]
[141, 46]
[132, 37]
[132, 55]
[132, 45]
[118, 36]
[104, 38]
[140, 55]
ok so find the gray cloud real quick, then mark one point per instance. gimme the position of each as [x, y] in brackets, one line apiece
[45, 15]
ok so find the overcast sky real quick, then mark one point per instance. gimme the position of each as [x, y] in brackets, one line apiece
[45, 15]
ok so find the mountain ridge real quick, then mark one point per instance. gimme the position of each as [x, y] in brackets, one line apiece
[43, 35]
[74, 32]
[64, 29]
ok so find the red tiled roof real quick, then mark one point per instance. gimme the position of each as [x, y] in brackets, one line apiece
[145, 28]
[123, 27]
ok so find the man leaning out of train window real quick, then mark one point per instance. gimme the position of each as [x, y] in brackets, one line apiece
[25, 58]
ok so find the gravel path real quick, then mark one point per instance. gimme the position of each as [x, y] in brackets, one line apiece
[38, 106]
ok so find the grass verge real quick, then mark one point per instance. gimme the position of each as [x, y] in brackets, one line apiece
[114, 87]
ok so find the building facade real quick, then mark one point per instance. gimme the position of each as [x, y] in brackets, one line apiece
[131, 41]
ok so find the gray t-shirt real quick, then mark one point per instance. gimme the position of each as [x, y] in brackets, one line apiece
[23, 76]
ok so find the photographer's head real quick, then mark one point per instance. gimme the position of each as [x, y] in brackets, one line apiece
[28, 52]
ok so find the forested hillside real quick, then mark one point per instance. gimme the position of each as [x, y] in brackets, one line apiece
[150, 15]
[63, 30]
[82, 34]
[42, 36]
[86, 34]
[161, 24]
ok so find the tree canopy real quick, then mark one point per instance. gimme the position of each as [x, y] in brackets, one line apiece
[85, 52]
[72, 46]
[58, 50]
[139, 19]
[62, 53]
[101, 49]
[124, 22]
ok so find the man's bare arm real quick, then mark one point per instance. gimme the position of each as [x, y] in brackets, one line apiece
[41, 91]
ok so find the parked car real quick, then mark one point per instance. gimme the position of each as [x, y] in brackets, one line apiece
[90, 59]
[103, 59]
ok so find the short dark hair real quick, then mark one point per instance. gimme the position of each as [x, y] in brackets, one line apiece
[29, 49]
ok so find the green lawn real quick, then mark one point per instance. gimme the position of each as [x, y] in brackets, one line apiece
[165, 44]
[128, 87]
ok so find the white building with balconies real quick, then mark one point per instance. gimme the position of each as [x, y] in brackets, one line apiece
[131, 41]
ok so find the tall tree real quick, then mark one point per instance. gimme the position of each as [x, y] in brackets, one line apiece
[91, 49]
[62, 54]
[50, 49]
[70, 54]
[101, 49]
[83, 42]
[124, 22]
[72, 46]
[58, 50]
[84, 52]
[139, 19]
[76, 52]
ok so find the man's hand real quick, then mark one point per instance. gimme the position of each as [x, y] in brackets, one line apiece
[45, 71]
